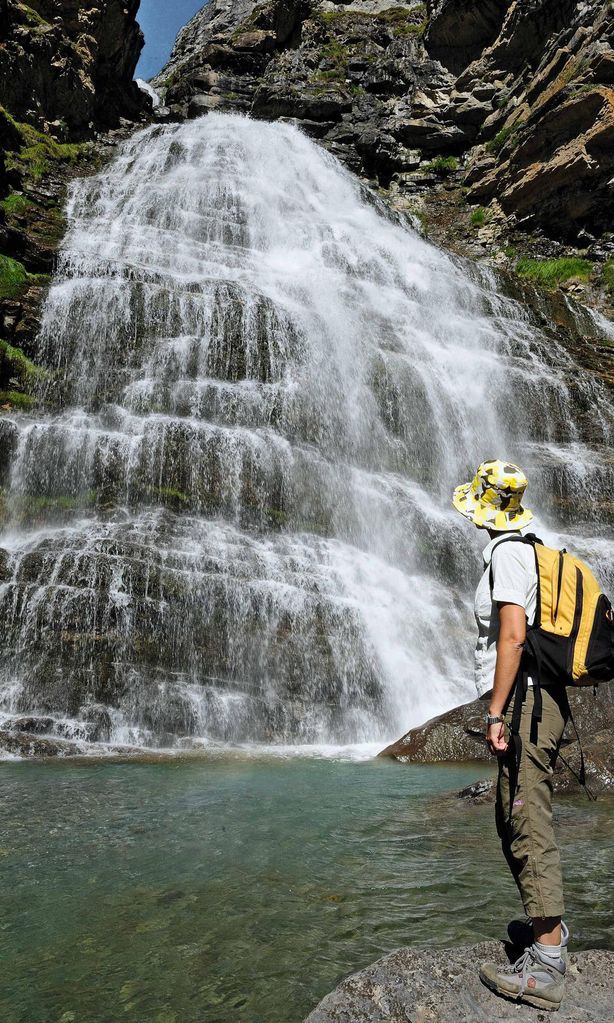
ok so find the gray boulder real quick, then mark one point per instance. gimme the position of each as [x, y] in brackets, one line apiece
[442, 986]
[458, 735]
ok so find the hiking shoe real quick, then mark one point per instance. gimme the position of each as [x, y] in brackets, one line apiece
[533, 978]
[520, 933]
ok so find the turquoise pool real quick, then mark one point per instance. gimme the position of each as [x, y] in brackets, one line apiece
[242, 888]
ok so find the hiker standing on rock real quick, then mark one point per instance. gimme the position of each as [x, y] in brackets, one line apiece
[505, 605]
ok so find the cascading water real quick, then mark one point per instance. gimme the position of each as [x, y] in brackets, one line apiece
[230, 519]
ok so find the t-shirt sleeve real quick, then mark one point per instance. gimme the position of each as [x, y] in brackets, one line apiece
[510, 575]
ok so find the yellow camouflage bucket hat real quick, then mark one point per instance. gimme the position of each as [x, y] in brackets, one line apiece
[493, 499]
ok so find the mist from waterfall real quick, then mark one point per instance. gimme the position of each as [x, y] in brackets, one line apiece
[230, 518]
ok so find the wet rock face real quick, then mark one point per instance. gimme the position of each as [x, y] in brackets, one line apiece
[442, 986]
[520, 91]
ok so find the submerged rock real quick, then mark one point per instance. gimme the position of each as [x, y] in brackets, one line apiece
[442, 986]
[35, 746]
[479, 791]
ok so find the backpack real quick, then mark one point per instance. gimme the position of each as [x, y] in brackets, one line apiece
[572, 639]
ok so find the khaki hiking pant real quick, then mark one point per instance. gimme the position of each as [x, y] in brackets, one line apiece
[527, 835]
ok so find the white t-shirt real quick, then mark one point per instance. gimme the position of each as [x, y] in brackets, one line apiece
[514, 582]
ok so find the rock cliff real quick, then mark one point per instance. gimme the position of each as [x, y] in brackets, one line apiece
[65, 79]
[66, 66]
[521, 91]
[492, 122]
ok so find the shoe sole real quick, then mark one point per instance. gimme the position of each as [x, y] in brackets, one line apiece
[535, 1000]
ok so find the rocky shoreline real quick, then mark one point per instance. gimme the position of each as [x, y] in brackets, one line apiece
[442, 986]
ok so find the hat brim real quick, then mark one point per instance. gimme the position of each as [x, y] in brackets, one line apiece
[485, 516]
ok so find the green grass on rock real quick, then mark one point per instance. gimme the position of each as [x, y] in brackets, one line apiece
[442, 165]
[18, 364]
[551, 272]
[17, 399]
[13, 277]
[16, 204]
[479, 217]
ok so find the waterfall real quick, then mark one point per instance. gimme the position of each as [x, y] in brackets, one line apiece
[229, 516]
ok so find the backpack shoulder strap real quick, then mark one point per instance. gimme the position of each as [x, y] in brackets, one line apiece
[529, 538]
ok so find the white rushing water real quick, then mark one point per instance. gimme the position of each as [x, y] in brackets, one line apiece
[231, 520]
[151, 92]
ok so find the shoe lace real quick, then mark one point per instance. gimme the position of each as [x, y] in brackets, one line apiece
[523, 966]
[519, 965]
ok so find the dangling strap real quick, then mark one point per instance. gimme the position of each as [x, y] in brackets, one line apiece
[581, 776]
[533, 653]
[520, 691]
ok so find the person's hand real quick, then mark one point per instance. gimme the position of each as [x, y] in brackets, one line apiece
[495, 738]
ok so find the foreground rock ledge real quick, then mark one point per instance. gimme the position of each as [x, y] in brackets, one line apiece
[442, 986]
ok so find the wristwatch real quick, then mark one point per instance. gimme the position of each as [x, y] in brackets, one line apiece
[493, 719]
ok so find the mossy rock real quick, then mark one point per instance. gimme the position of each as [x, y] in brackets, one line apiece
[33, 19]
[17, 370]
[16, 205]
[33, 154]
[10, 135]
[510, 134]
[400, 21]
[607, 277]
[31, 510]
[17, 400]
[15, 279]
[171, 497]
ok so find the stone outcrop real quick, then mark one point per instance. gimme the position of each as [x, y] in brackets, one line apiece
[346, 73]
[458, 735]
[65, 76]
[517, 94]
[66, 66]
[32, 745]
[442, 986]
[552, 130]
